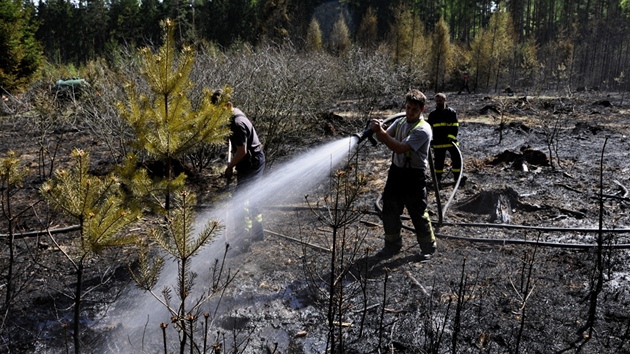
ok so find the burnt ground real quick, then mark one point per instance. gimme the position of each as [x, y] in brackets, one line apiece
[489, 289]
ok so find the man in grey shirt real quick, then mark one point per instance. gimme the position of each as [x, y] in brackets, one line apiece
[409, 139]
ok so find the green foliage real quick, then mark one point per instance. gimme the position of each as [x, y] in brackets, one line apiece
[20, 53]
[164, 123]
[141, 189]
[96, 203]
[314, 36]
[367, 35]
[441, 54]
[11, 172]
[340, 37]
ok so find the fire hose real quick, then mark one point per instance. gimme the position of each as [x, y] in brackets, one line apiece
[379, 211]
[368, 134]
[459, 178]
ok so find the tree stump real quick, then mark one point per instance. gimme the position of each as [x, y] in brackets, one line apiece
[498, 204]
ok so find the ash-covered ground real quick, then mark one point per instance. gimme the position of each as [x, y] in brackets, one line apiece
[556, 169]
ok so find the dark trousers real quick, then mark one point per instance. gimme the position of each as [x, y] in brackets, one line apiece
[252, 218]
[440, 157]
[406, 188]
[465, 86]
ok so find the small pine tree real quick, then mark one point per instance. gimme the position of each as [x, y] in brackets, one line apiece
[340, 37]
[98, 205]
[11, 175]
[164, 124]
[178, 238]
[313, 36]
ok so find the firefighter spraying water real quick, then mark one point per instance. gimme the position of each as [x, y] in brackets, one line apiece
[408, 135]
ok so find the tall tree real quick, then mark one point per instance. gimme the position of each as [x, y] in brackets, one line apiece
[150, 30]
[441, 55]
[340, 37]
[124, 22]
[367, 34]
[20, 53]
[406, 35]
[314, 37]
[98, 18]
[274, 21]
[492, 48]
[56, 31]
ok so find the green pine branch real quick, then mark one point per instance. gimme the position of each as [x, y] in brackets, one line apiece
[165, 124]
[99, 207]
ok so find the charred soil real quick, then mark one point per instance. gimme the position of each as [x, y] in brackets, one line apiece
[518, 267]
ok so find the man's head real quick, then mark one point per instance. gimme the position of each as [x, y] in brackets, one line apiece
[440, 101]
[218, 97]
[415, 101]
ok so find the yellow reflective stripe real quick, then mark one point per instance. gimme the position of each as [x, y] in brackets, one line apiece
[439, 171]
[451, 136]
[445, 125]
[442, 146]
[400, 121]
[456, 170]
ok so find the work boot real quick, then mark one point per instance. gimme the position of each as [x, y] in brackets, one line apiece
[427, 250]
[390, 249]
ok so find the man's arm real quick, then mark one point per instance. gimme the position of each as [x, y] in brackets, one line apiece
[241, 151]
[389, 141]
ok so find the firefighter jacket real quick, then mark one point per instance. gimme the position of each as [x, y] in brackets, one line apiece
[445, 127]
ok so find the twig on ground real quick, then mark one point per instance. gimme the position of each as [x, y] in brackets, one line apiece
[625, 190]
[298, 241]
[569, 187]
[416, 282]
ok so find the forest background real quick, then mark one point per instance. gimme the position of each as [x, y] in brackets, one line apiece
[525, 44]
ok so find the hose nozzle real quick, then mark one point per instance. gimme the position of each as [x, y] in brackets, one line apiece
[366, 134]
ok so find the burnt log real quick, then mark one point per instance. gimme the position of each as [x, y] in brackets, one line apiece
[527, 155]
[490, 107]
[604, 103]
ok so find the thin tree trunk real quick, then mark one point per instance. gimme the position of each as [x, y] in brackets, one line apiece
[77, 308]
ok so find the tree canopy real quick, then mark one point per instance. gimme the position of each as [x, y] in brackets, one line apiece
[21, 53]
[76, 32]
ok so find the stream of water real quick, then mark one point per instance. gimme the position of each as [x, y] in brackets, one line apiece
[134, 320]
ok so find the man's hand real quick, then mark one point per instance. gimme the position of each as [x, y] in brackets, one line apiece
[229, 172]
[376, 125]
